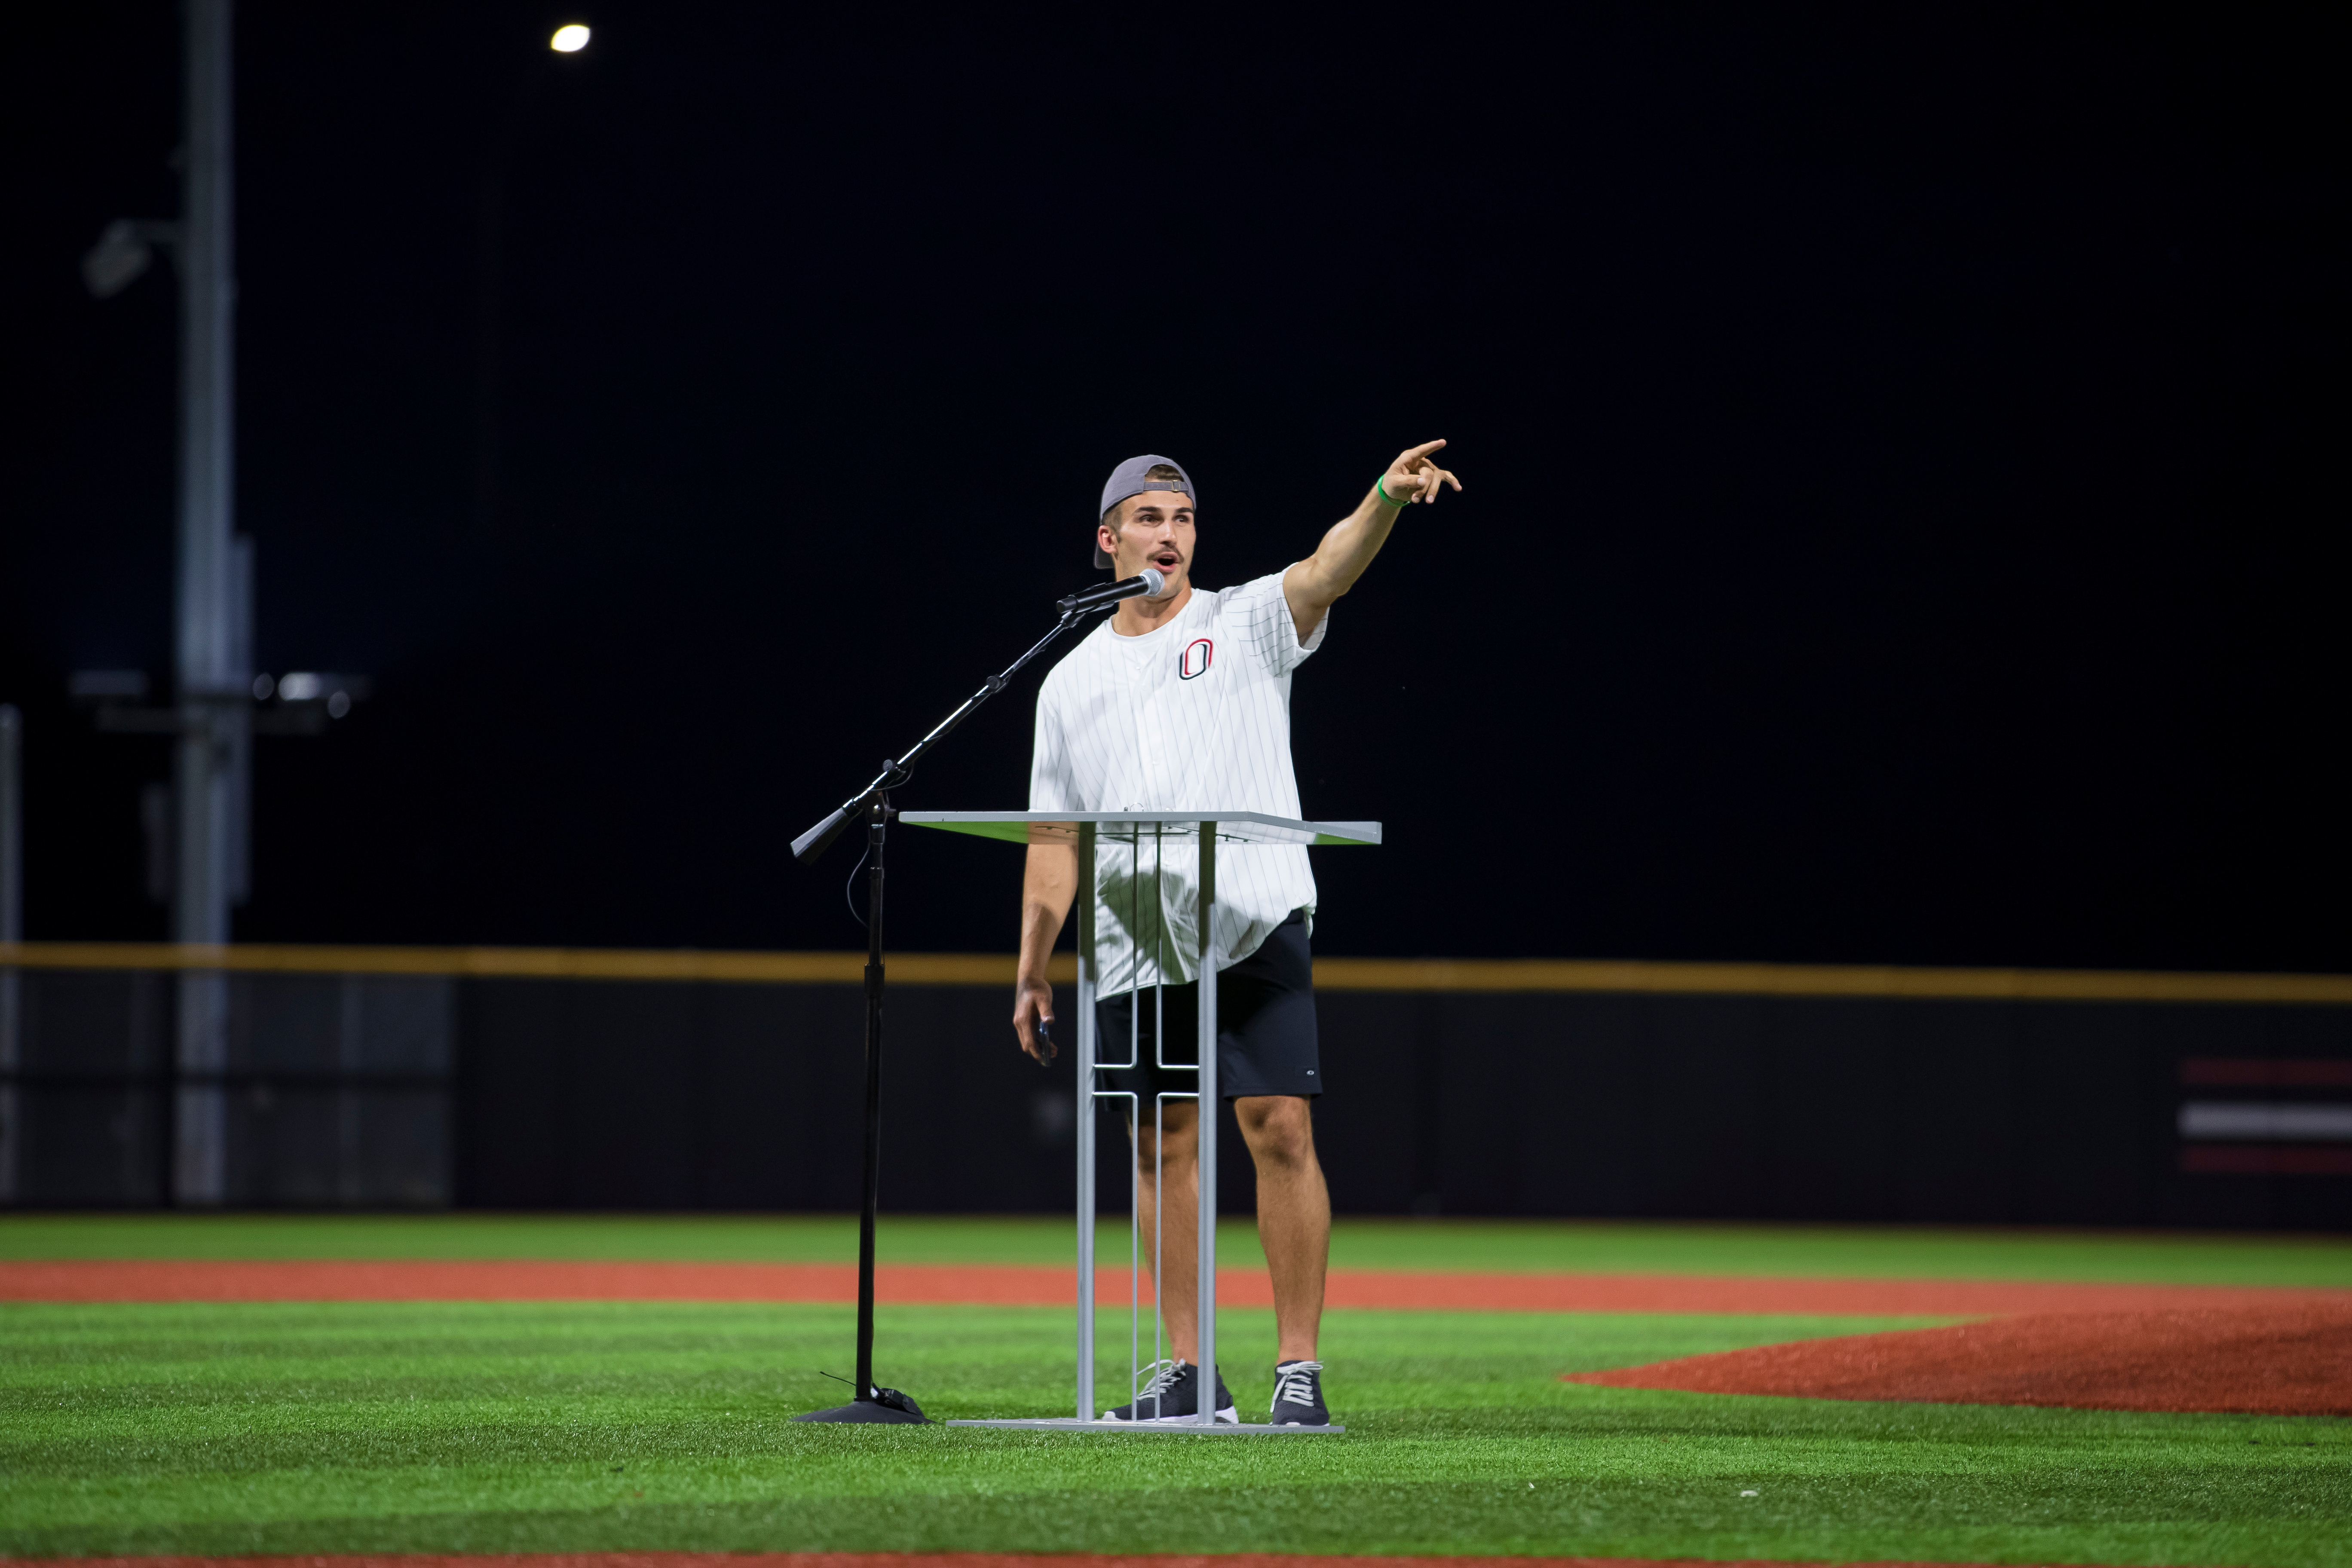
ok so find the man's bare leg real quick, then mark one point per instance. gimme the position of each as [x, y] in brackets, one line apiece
[1178, 1189]
[1294, 1215]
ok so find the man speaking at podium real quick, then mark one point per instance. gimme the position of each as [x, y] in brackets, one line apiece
[1181, 701]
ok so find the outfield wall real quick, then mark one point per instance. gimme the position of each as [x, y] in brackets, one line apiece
[504, 1079]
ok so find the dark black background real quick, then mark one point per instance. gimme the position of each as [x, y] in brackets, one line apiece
[1902, 452]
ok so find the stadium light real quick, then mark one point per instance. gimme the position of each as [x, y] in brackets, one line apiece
[123, 253]
[299, 687]
[569, 38]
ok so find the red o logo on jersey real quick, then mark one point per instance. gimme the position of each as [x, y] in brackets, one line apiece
[1194, 659]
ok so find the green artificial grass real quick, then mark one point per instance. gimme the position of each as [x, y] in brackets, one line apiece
[1862, 1251]
[534, 1427]
[528, 1426]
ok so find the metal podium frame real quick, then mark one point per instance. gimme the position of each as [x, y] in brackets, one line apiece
[1085, 831]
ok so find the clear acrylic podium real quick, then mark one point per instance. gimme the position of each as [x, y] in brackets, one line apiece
[1088, 832]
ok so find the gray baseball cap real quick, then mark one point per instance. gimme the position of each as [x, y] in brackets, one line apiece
[1128, 480]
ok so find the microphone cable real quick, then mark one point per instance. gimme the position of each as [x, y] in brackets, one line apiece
[846, 896]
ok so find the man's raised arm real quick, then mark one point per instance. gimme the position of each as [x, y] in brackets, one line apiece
[1314, 584]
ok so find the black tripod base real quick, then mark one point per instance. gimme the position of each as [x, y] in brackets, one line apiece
[888, 1406]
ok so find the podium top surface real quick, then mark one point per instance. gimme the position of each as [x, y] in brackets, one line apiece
[1143, 826]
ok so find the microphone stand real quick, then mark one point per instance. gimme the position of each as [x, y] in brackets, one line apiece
[873, 805]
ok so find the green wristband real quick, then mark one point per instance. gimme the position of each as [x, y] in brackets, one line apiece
[1381, 485]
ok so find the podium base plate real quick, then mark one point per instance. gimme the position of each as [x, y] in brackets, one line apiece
[1164, 1428]
[865, 1412]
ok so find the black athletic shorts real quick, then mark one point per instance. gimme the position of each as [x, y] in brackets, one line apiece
[1266, 1026]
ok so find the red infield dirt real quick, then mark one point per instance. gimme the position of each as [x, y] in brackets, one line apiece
[139, 1280]
[2275, 1359]
[910, 1560]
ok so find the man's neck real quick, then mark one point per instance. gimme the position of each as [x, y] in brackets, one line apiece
[1134, 617]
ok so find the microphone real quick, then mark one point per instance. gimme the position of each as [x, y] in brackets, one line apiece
[1110, 593]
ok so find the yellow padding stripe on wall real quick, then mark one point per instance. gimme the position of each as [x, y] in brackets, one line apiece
[1822, 980]
[1418, 974]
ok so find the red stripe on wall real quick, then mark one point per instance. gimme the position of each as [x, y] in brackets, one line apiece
[2264, 1160]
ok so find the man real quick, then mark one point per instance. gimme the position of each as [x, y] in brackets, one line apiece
[1181, 701]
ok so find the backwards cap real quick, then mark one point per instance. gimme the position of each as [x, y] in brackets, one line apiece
[1128, 480]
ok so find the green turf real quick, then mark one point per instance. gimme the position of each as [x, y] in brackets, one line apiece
[1878, 1252]
[301, 1429]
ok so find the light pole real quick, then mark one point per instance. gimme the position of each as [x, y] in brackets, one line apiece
[215, 644]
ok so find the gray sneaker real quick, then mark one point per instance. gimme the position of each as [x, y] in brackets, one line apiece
[1172, 1394]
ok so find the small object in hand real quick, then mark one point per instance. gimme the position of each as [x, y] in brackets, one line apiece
[1046, 1050]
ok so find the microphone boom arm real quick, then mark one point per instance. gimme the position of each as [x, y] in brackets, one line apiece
[818, 840]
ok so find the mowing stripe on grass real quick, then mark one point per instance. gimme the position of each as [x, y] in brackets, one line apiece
[1497, 1246]
[911, 1560]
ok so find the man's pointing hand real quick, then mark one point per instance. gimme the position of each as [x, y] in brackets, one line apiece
[1415, 476]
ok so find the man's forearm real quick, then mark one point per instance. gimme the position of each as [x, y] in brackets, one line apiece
[1352, 541]
[1039, 926]
[1047, 886]
[1316, 584]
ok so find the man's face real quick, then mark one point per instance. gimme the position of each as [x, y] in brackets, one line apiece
[1154, 528]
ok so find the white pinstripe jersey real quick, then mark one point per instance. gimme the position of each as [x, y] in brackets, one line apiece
[1193, 715]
